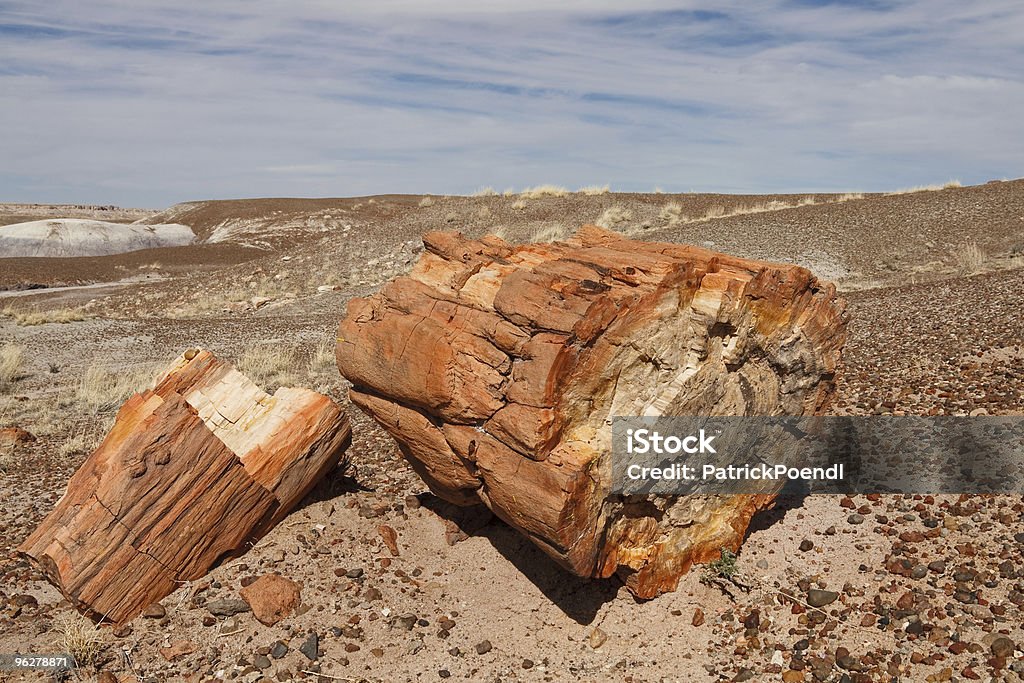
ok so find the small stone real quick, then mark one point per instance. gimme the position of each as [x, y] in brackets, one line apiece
[820, 598]
[906, 601]
[372, 595]
[354, 573]
[743, 674]
[406, 621]
[698, 617]
[390, 538]
[855, 518]
[278, 650]
[792, 676]
[528, 664]
[122, 631]
[483, 647]
[806, 545]
[311, 646]
[155, 611]
[177, 650]
[597, 638]
[261, 662]
[271, 598]
[1002, 647]
[227, 607]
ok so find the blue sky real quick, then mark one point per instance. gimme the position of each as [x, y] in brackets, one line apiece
[151, 102]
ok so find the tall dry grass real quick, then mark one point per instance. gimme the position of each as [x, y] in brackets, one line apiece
[949, 184]
[12, 358]
[30, 317]
[544, 191]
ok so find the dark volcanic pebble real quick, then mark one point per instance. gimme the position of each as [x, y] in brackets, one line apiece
[227, 607]
[311, 648]
[820, 598]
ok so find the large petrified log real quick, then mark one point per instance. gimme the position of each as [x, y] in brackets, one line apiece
[498, 368]
[193, 471]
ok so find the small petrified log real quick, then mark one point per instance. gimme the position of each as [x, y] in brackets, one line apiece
[193, 471]
[498, 368]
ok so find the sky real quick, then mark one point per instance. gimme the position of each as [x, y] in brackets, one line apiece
[151, 102]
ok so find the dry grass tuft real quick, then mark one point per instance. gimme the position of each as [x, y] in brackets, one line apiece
[322, 358]
[78, 637]
[486, 192]
[518, 205]
[550, 233]
[12, 357]
[970, 258]
[79, 442]
[614, 216]
[482, 213]
[104, 388]
[593, 190]
[544, 191]
[270, 365]
[949, 184]
[322, 366]
[426, 201]
[672, 213]
[30, 318]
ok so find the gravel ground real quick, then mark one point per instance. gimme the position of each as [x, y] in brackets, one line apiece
[868, 588]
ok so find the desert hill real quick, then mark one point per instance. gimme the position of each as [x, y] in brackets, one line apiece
[78, 237]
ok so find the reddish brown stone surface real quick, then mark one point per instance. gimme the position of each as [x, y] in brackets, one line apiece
[272, 598]
[498, 368]
[191, 472]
